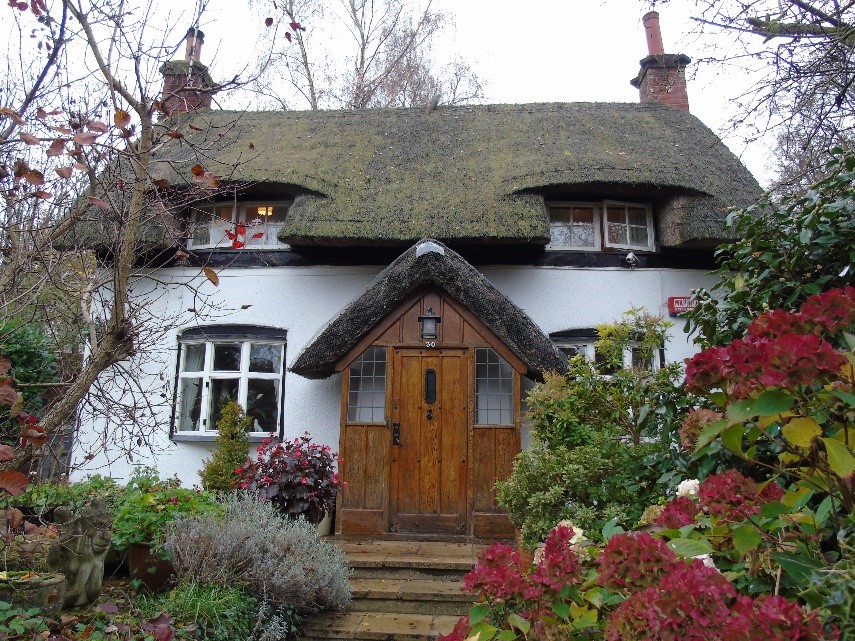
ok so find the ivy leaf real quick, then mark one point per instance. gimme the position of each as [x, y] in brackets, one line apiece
[801, 431]
[746, 539]
[840, 459]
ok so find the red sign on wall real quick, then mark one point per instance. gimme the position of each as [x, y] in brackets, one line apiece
[679, 304]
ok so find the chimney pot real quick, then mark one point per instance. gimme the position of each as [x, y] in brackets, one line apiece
[195, 39]
[654, 35]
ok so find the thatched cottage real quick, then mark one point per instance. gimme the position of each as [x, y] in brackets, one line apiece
[391, 279]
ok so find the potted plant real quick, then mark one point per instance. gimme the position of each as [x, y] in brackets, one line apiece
[299, 477]
[141, 520]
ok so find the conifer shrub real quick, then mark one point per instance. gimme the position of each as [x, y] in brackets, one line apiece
[218, 474]
[253, 545]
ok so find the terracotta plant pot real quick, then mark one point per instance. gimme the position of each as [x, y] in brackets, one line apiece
[153, 571]
[43, 591]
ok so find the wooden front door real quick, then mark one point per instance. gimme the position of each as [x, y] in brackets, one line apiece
[429, 417]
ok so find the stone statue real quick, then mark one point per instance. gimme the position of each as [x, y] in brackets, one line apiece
[79, 552]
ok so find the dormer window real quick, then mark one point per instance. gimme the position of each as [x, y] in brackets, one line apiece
[592, 226]
[250, 225]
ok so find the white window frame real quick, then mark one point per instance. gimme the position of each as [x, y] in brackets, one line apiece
[206, 422]
[587, 347]
[239, 214]
[651, 244]
[597, 207]
[600, 222]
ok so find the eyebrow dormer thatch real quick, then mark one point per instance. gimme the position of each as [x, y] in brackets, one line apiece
[473, 174]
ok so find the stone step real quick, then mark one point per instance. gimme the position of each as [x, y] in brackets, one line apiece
[414, 596]
[378, 626]
[416, 560]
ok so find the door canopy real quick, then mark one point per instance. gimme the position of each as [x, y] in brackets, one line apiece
[430, 264]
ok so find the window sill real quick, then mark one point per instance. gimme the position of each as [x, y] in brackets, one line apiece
[183, 437]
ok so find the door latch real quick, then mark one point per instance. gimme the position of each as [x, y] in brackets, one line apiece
[396, 433]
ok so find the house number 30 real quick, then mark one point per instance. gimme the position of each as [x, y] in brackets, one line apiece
[430, 343]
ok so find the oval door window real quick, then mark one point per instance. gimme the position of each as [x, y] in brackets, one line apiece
[430, 386]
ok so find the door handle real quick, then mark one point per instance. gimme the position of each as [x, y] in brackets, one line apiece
[396, 433]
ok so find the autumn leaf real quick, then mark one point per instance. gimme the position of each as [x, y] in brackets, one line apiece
[121, 119]
[86, 137]
[212, 180]
[79, 166]
[100, 202]
[13, 115]
[296, 26]
[35, 177]
[7, 453]
[41, 113]
[14, 517]
[195, 128]
[174, 134]
[288, 36]
[65, 131]
[160, 183]
[14, 483]
[30, 139]
[57, 147]
[211, 275]
[64, 172]
[34, 434]
[97, 125]
[42, 194]
[8, 395]
[5, 364]
[197, 170]
[268, 22]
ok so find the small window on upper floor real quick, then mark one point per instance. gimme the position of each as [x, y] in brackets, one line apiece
[250, 225]
[592, 226]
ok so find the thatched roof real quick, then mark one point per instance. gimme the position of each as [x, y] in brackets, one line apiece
[432, 266]
[465, 174]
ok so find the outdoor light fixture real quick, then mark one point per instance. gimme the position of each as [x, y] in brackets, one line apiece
[430, 324]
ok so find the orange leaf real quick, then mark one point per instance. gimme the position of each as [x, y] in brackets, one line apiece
[57, 147]
[160, 183]
[35, 177]
[86, 138]
[79, 166]
[121, 119]
[197, 170]
[5, 364]
[174, 134]
[8, 395]
[30, 139]
[65, 131]
[14, 483]
[7, 453]
[11, 113]
[64, 172]
[97, 125]
[15, 519]
[34, 434]
[211, 275]
[42, 194]
[100, 202]
[212, 180]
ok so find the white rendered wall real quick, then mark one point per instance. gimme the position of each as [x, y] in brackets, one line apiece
[302, 300]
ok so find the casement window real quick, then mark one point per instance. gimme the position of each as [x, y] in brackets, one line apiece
[250, 225]
[584, 343]
[366, 391]
[222, 364]
[494, 389]
[592, 226]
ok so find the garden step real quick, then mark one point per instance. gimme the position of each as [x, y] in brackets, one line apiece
[408, 559]
[415, 596]
[385, 626]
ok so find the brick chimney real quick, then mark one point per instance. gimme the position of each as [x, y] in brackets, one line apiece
[187, 85]
[662, 77]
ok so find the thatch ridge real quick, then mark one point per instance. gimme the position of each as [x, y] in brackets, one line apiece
[445, 270]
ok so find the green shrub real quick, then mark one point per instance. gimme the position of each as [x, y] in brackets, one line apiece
[218, 474]
[150, 504]
[42, 497]
[588, 485]
[252, 544]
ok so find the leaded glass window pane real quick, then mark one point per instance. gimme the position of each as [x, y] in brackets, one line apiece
[366, 398]
[493, 389]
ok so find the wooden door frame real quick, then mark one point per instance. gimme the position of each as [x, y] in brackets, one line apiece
[481, 523]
